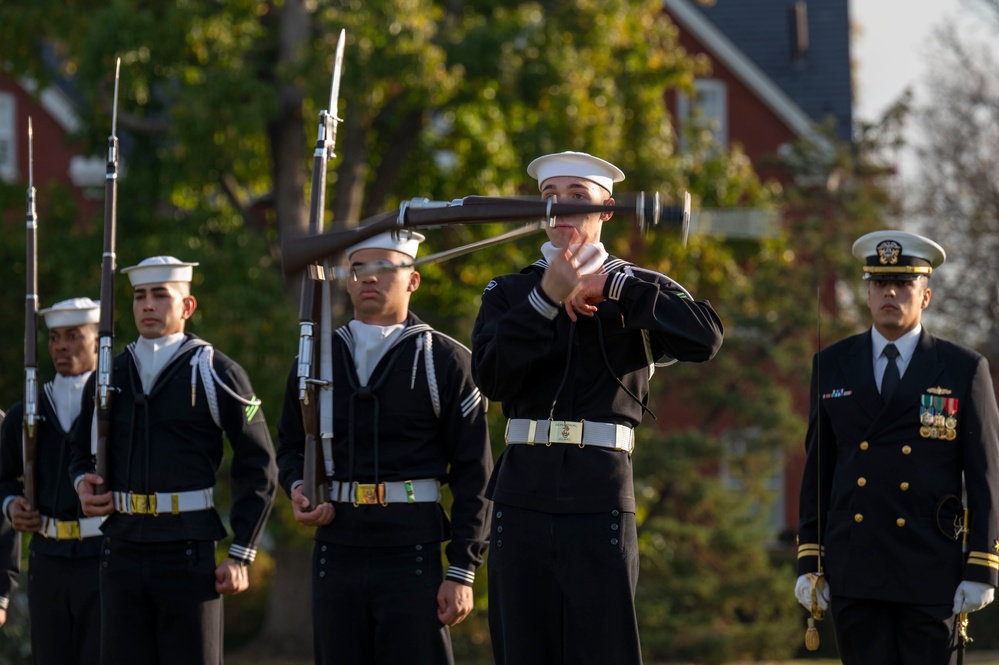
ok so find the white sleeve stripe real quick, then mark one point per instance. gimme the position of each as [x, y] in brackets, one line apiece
[471, 402]
[541, 305]
[247, 554]
[461, 575]
[618, 280]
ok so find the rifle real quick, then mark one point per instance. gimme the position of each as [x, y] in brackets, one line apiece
[106, 325]
[29, 440]
[648, 211]
[317, 419]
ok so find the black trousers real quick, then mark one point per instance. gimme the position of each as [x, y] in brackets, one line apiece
[159, 605]
[874, 632]
[65, 608]
[562, 588]
[378, 605]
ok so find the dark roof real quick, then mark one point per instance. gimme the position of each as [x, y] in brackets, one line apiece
[819, 80]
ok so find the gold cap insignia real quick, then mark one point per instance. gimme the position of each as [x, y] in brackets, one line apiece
[939, 391]
[888, 252]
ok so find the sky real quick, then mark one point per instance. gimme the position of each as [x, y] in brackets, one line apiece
[891, 50]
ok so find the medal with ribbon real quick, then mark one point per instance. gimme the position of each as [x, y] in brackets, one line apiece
[950, 422]
[926, 413]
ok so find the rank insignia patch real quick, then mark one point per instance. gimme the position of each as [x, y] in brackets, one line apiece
[251, 409]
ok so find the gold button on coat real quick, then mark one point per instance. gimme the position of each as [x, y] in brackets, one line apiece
[858, 518]
[906, 450]
[904, 487]
[861, 481]
[864, 445]
[900, 521]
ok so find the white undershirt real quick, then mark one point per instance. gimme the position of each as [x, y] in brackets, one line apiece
[152, 355]
[66, 391]
[371, 342]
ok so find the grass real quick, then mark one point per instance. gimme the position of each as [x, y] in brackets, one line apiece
[981, 658]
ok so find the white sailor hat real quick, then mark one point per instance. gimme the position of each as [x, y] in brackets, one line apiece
[897, 255]
[158, 269]
[72, 312]
[579, 164]
[402, 240]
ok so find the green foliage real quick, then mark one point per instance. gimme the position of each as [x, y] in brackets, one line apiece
[15, 635]
[445, 99]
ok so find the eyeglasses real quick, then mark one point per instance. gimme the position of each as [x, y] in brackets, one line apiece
[361, 270]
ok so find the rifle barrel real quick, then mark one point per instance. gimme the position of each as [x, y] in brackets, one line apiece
[29, 452]
[105, 346]
[648, 211]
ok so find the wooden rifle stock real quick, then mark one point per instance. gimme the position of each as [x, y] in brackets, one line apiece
[314, 479]
[29, 451]
[105, 356]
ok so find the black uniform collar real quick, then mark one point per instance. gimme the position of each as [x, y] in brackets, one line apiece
[414, 326]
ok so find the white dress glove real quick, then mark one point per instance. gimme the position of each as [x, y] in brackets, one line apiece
[972, 596]
[803, 592]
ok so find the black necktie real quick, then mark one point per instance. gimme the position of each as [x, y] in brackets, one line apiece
[890, 379]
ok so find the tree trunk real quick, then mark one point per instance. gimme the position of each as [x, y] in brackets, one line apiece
[288, 626]
[353, 172]
[287, 130]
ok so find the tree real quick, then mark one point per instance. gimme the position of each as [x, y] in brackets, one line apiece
[443, 99]
[957, 189]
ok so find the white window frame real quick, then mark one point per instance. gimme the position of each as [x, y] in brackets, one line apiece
[711, 102]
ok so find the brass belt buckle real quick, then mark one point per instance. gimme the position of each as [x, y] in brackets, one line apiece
[369, 494]
[565, 431]
[67, 530]
[144, 504]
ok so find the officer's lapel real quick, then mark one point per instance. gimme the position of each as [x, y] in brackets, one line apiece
[858, 368]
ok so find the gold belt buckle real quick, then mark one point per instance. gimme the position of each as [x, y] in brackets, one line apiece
[67, 530]
[143, 504]
[565, 431]
[369, 494]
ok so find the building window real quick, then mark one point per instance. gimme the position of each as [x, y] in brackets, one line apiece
[708, 110]
[8, 129]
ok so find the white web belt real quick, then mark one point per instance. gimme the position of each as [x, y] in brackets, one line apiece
[580, 433]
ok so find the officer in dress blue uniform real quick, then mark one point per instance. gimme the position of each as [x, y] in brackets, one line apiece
[902, 447]
[63, 598]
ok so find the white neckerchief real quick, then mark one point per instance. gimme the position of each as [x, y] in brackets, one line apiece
[370, 344]
[906, 345]
[152, 355]
[66, 391]
[592, 256]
